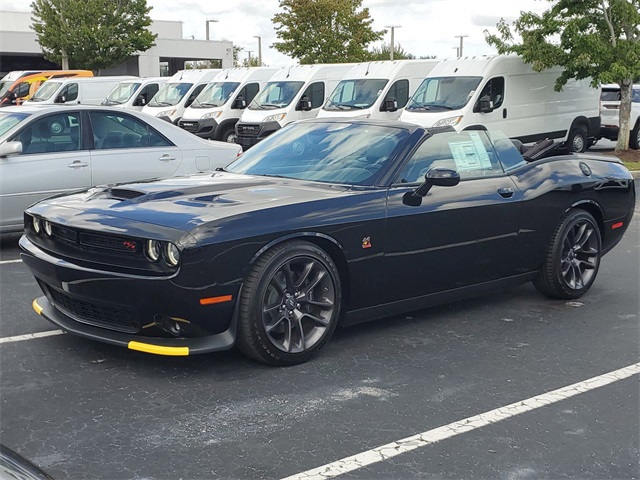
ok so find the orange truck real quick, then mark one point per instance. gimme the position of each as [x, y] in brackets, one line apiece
[24, 87]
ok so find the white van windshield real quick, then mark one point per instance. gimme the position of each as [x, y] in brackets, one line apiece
[355, 94]
[4, 86]
[215, 94]
[170, 94]
[276, 95]
[444, 93]
[46, 91]
[121, 93]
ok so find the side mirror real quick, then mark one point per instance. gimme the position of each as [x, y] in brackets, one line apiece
[438, 177]
[140, 101]
[485, 105]
[10, 148]
[61, 99]
[14, 95]
[390, 105]
[304, 104]
[240, 103]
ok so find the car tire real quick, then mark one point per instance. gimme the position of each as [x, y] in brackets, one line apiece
[634, 138]
[577, 141]
[229, 135]
[289, 305]
[573, 257]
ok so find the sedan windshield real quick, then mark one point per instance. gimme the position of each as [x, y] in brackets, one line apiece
[344, 153]
[170, 94]
[46, 91]
[215, 94]
[121, 93]
[355, 94]
[10, 120]
[443, 93]
[276, 95]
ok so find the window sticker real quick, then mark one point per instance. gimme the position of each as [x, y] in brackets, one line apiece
[471, 154]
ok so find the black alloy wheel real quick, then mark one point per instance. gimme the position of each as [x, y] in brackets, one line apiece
[573, 257]
[290, 304]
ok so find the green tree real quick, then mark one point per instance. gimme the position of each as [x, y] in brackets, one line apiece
[384, 53]
[597, 39]
[95, 34]
[324, 31]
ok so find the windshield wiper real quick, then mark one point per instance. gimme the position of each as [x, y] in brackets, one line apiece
[208, 104]
[269, 106]
[160, 104]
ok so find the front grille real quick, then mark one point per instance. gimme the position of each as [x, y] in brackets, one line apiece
[248, 130]
[103, 242]
[189, 126]
[114, 317]
[62, 233]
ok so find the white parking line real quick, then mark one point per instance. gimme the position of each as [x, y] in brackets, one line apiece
[30, 336]
[2, 262]
[390, 450]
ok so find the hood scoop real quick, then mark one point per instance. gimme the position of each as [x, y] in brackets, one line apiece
[123, 194]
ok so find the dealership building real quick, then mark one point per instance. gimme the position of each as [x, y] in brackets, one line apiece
[19, 49]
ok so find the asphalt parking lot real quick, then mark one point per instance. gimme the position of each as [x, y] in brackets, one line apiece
[81, 409]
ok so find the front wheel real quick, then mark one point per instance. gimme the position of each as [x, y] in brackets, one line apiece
[290, 304]
[573, 257]
[577, 141]
[634, 139]
[229, 135]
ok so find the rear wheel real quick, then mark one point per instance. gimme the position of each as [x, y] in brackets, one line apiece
[573, 257]
[290, 304]
[634, 139]
[229, 135]
[577, 141]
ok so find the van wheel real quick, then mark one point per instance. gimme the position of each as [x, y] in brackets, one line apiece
[634, 139]
[577, 141]
[229, 135]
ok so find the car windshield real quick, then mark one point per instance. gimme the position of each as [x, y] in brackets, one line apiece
[121, 93]
[46, 91]
[215, 94]
[4, 87]
[170, 94]
[276, 95]
[355, 94]
[443, 93]
[10, 120]
[329, 152]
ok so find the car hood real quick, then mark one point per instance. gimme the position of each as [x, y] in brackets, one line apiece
[186, 202]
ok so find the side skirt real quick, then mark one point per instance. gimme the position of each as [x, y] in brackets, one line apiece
[417, 303]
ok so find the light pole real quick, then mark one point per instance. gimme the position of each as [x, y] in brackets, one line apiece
[210, 20]
[457, 49]
[393, 45]
[259, 49]
[460, 37]
[249, 52]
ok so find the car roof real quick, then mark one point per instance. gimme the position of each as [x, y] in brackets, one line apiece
[32, 109]
[411, 127]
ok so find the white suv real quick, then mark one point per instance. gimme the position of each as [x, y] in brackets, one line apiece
[610, 114]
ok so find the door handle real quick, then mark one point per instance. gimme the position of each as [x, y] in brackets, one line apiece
[506, 192]
[78, 164]
[504, 113]
[166, 158]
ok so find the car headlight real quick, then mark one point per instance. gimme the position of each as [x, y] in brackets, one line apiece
[275, 118]
[211, 115]
[451, 121]
[37, 226]
[172, 254]
[152, 250]
[47, 228]
[166, 113]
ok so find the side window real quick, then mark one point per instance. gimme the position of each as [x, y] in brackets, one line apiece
[53, 133]
[71, 92]
[194, 94]
[494, 88]
[249, 92]
[112, 130]
[315, 92]
[400, 91]
[22, 90]
[147, 94]
[470, 153]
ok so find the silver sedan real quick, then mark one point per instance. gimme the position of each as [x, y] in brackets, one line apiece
[49, 150]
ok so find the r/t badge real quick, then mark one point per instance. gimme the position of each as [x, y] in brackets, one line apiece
[366, 242]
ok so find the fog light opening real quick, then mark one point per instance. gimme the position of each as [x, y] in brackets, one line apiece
[173, 326]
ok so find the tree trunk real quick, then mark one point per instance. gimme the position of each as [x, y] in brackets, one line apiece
[625, 114]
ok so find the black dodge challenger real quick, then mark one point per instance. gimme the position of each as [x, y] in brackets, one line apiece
[324, 222]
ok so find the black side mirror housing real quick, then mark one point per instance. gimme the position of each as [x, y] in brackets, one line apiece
[61, 99]
[304, 104]
[390, 105]
[438, 177]
[485, 105]
[240, 103]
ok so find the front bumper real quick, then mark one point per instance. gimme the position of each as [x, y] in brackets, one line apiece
[249, 134]
[162, 315]
[207, 128]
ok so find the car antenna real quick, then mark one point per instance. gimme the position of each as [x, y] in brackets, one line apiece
[227, 74]
[288, 72]
[368, 65]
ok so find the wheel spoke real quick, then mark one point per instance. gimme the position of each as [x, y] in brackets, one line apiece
[588, 264]
[314, 283]
[325, 302]
[305, 274]
[303, 342]
[577, 239]
[288, 275]
[578, 277]
[585, 234]
[269, 328]
[271, 309]
[287, 335]
[275, 283]
[319, 320]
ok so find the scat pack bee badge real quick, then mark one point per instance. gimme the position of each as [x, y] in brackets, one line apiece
[366, 242]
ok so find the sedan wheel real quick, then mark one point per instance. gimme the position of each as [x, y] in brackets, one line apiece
[290, 304]
[573, 257]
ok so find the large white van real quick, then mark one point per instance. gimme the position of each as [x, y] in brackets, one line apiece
[215, 112]
[75, 90]
[503, 93]
[178, 93]
[376, 89]
[292, 93]
[134, 94]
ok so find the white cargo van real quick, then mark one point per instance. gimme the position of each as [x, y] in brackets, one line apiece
[75, 90]
[292, 93]
[376, 89]
[610, 114]
[215, 112]
[503, 93]
[178, 93]
[134, 94]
